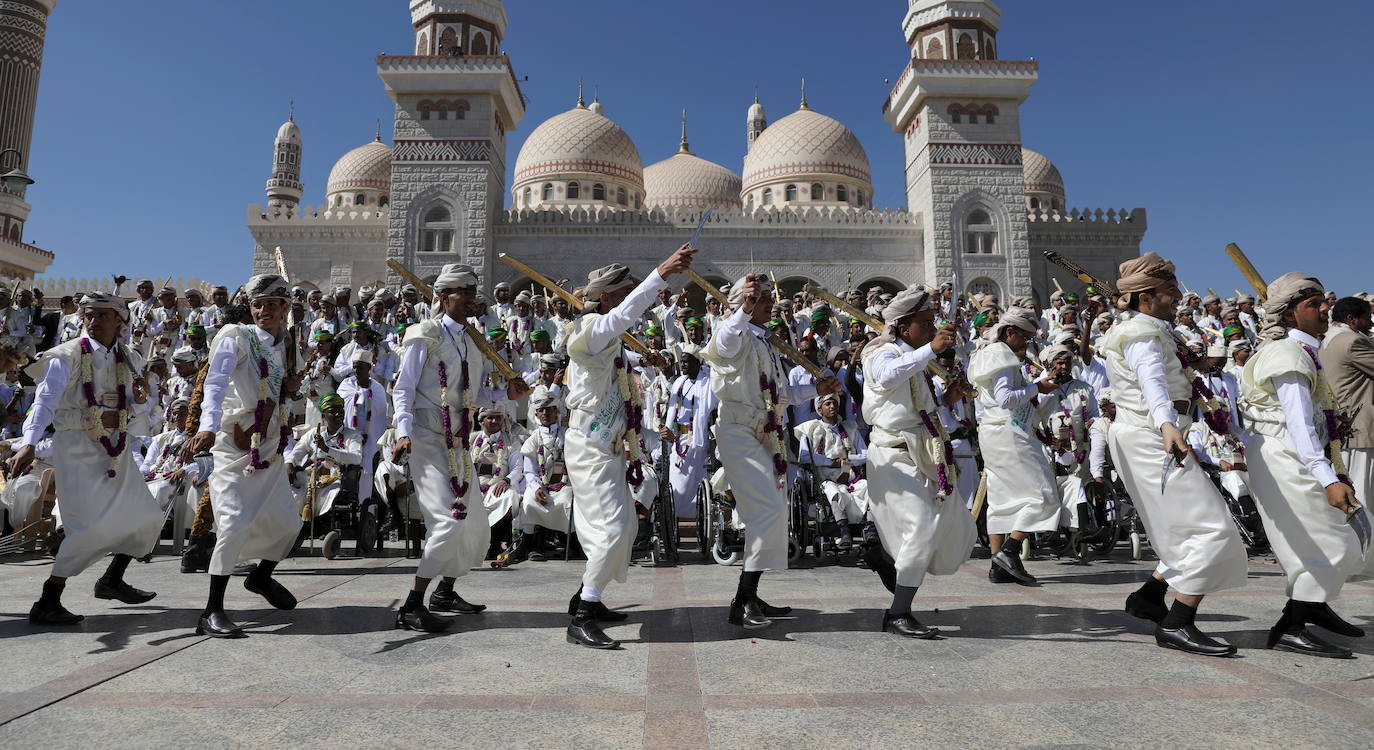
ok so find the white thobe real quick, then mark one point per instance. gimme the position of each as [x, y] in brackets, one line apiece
[368, 411]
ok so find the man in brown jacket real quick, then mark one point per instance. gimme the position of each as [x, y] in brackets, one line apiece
[1348, 362]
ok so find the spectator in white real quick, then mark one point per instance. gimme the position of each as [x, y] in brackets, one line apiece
[838, 451]
[367, 410]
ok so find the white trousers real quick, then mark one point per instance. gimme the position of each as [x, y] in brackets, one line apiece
[760, 504]
[1311, 540]
[604, 512]
[554, 515]
[848, 504]
[1189, 527]
[686, 473]
[921, 534]
[101, 515]
[257, 515]
[1022, 492]
[452, 547]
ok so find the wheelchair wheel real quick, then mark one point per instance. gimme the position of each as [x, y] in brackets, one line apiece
[703, 508]
[721, 556]
[1106, 539]
[330, 546]
[794, 551]
[368, 535]
[1137, 545]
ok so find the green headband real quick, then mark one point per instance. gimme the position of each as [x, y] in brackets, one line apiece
[981, 319]
[694, 323]
[401, 328]
[331, 400]
[496, 333]
[358, 325]
[1071, 296]
[539, 334]
[1228, 330]
[819, 315]
[195, 329]
[323, 336]
[653, 331]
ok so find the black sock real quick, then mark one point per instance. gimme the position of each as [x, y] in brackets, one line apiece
[445, 586]
[414, 600]
[901, 600]
[1012, 546]
[118, 564]
[1299, 615]
[264, 570]
[52, 593]
[748, 589]
[1180, 615]
[216, 601]
[1153, 588]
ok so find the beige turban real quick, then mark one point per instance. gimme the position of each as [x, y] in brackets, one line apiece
[103, 301]
[1238, 345]
[1147, 272]
[1051, 353]
[737, 288]
[362, 355]
[1285, 292]
[267, 286]
[1017, 317]
[455, 276]
[1211, 299]
[908, 302]
[542, 399]
[606, 280]
[1106, 396]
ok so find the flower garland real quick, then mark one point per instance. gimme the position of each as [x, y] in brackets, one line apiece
[544, 473]
[1078, 438]
[634, 421]
[945, 470]
[847, 446]
[366, 411]
[458, 474]
[270, 375]
[92, 423]
[1338, 425]
[1216, 414]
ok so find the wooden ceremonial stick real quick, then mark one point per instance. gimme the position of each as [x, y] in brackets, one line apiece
[475, 336]
[281, 263]
[1101, 285]
[784, 348]
[1058, 287]
[819, 291]
[566, 296]
[1247, 269]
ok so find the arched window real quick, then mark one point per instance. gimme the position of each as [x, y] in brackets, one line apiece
[1056, 205]
[14, 231]
[965, 49]
[984, 285]
[817, 191]
[436, 232]
[1035, 204]
[528, 195]
[980, 236]
[989, 50]
[598, 192]
[989, 117]
[479, 44]
[972, 117]
[448, 42]
[383, 201]
[574, 190]
[459, 109]
[422, 44]
[441, 107]
[842, 193]
[622, 197]
[768, 196]
[935, 51]
[862, 202]
[639, 202]
[548, 191]
[790, 195]
[425, 108]
[360, 200]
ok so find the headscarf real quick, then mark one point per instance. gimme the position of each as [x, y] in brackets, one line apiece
[1106, 396]
[362, 355]
[524, 297]
[911, 300]
[542, 399]
[1229, 331]
[539, 334]
[495, 334]
[267, 286]
[605, 280]
[103, 301]
[693, 323]
[765, 289]
[1147, 272]
[1017, 317]
[1051, 353]
[455, 276]
[552, 359]
[322, 336]
[836, 397]
[195, 329]
[981, 319]
[330, 400]
[1211, 299]
[1071, 298]
[653, 331]
[1284, 293]
[1236, 346]
[185, 355]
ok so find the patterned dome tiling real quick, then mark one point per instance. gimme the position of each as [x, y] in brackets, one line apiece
[805, 143]
[579, 141]
[1041, 174]
[687, 181]
[365, 167]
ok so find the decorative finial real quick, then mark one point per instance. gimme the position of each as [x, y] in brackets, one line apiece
[291, 109]
[596, 94]
[379, 131]
[804, 105]
[581, 100]
[683, 148]
[756, 94]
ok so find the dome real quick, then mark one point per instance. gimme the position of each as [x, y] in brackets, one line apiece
[364, 168]
[806, 143]
[289, 132]
[1041, 176]
[579, 142]
[685, 180]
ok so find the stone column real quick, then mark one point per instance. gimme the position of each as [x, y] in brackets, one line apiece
[23, 24]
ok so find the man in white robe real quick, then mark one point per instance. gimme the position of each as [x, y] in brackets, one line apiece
[838, 451]
[547, 496]
[1301, 497]
[1066, 414]
[1187, 521]
[367, 410]
[691, 408]
[104, 502]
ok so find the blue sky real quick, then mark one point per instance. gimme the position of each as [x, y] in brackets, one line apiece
[156, 117]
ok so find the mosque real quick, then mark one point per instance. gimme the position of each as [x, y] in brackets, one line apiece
[980, 208]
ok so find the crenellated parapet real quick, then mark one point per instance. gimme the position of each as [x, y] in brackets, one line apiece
[307, 217]
[831, 216]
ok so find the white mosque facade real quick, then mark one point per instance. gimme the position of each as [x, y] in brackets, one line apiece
[980, 208]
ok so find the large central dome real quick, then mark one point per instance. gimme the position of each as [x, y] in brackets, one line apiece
[685, 180]
[361, 177]
[579, 141]
[803, 144]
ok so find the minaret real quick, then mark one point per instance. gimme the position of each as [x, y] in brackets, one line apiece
[597, 107]
[284, 189]
[456, 100]
[757, 120]
[23, 26]
[958, 109]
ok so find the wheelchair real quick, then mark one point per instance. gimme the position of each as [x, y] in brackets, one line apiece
[37, 530]
[664, 534]
[346, 516]
[1243, 512]
[815, 530]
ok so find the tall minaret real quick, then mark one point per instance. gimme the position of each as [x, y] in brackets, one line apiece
[757, 120]
[957, 107]
[284, 189]
[23, 26]
[456, 99]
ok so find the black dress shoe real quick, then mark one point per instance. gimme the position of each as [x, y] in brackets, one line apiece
[1193, 641]
[218, 625]
[908, 627]
[52, 614]
[1325, 617]
[1307, 642]
[584, 630]
[1139, 605]
[122, 591]
[748, 616]
[771, 611]
[421, 620]
[449, 601]
[599, 610]
[997, 575]
[1011, 565]
[271, 590]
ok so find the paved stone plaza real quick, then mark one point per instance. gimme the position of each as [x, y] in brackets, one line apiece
[1055, 666]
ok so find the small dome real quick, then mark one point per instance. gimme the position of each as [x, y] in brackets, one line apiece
[289, 133]
[685, 180]
[1041, 176]
[579, 142]
[366, 168]
[806, 143]
[756, 110]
